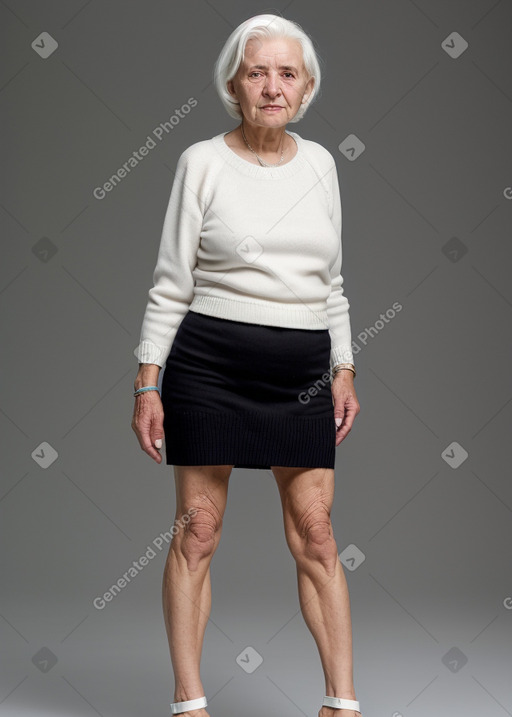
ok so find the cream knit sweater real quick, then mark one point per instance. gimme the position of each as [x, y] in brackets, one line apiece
[250, 243]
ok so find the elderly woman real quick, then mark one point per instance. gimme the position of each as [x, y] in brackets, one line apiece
[248, 316]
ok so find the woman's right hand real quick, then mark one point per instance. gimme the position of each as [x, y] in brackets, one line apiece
[148, 412]
[148, 423]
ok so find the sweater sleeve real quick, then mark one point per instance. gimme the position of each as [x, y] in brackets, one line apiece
[337, 303]
[173, 282]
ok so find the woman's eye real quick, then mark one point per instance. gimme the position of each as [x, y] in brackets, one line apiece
[290, 74]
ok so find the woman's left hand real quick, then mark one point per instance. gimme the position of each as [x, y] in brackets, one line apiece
[346, 405]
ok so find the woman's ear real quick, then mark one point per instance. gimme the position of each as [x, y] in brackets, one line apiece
[231, 88]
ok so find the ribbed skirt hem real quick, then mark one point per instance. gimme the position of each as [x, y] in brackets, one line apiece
[249, 439]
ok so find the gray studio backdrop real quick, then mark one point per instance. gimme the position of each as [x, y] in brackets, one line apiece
[417, 109]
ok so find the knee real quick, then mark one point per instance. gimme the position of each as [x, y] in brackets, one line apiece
[199, 536]
[320, 545]
[314, 539]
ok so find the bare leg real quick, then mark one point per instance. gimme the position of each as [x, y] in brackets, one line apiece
[201, 491]
[306, 496]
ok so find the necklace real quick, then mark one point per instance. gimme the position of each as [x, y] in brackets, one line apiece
[260, 160]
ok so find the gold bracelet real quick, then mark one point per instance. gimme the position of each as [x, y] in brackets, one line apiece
[344, 366]
[340, 366]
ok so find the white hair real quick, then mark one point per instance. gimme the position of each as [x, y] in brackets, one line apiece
[232, 54]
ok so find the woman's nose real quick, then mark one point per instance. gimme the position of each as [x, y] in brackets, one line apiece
[272, 84]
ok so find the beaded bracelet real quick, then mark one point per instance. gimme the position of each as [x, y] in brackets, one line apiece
[146, 388]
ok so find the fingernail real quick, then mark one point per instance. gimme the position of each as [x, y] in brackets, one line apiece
[337, 421]
[158, 443]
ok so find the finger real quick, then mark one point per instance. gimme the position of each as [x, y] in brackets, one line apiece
[346, 425]
[149, 430]
[157, 432]
[147, 446]
[339, 422]
[146, 443]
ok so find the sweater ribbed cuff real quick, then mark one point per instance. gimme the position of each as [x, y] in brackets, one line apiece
[341, 354]
[149, 352]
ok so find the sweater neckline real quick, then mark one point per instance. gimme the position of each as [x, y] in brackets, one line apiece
[256, 170]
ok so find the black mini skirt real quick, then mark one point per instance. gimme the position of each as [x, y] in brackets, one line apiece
[248, 395]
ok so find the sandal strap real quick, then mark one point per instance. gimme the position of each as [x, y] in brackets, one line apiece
[341, 703]
[188, 705]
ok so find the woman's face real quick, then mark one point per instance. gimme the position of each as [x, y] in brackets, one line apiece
[271, 73]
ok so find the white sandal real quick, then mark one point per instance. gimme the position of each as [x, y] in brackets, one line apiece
[188, 705]
[341, 704]
[336, 702]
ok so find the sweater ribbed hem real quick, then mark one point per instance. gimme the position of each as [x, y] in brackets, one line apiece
[149, 352]
[249, 440]
[267, 313]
